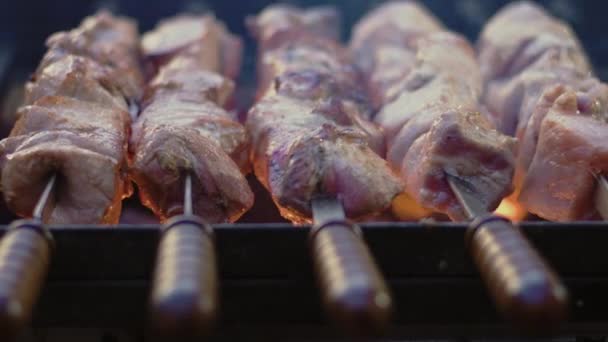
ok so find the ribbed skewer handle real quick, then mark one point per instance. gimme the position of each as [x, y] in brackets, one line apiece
[25, 254]
[523, 286]
[185, 290]
[353, 290]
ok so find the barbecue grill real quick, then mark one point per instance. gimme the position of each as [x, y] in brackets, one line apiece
[99, 281]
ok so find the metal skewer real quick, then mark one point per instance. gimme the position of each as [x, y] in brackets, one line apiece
[353, 289]
[523, 286]
[184, 296]
[25, 254]
[601, 197]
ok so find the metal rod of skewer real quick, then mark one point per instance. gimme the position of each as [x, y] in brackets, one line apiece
[523, 286]
[601, 197]
[25, 254]
[184, 296]
[352, 288]
[43, 201]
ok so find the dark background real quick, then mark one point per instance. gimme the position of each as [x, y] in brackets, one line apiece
[25, 23]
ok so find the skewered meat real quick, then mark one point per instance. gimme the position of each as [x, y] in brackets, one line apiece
[522, 51]
[201, 38]
[81, 141]
[110, 41]
[76, 77]
[539, 85]
[309, 128]
[184, 126]
[76, 124]
[429, 107]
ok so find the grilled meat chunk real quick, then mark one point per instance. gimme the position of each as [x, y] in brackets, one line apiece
[429, 107]
[184, 126]
[76, 77]
[83, 143]
[561, 179]
[110, 41]
[280, 23]
[535, 70]
[203, 38]
[309, 128]
[76, 125]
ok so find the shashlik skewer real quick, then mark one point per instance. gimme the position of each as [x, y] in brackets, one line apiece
[184, 126]
[540, 87]
[427, 86]
[310, 129]
[187, 146]
[312, 141]
[76, 123]
[69, 140]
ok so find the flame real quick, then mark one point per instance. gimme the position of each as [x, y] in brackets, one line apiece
[405, 208]
[512, 210]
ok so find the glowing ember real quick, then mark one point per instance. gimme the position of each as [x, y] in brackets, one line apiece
[511, 209]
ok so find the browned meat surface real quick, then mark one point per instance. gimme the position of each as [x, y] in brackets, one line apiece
[83, 143]
[203, 38]
[76, 77]
[560, 181]
[427, 84]
[281, 23]
[184, 127]
[309, 128]
[111, 41]
[538, 82]
[75, 124]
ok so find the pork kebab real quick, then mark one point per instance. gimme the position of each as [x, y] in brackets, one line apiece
[65, 160]
[427, 86]
[310, 127]
[319, 156]
[188, 156]
[428, 104]
[540, 87]
[184, 126]
[75, 123]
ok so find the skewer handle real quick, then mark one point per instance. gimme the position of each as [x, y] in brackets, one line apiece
[353, 289]
[25, 254]
[523, 286]
[185, 291]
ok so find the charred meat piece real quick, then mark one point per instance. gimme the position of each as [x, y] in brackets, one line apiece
[309, 127]
[535, 71]
[184, 126]
[427, 86]
[76, 124]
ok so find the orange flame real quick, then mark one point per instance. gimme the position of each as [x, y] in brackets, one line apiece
[512, 210]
